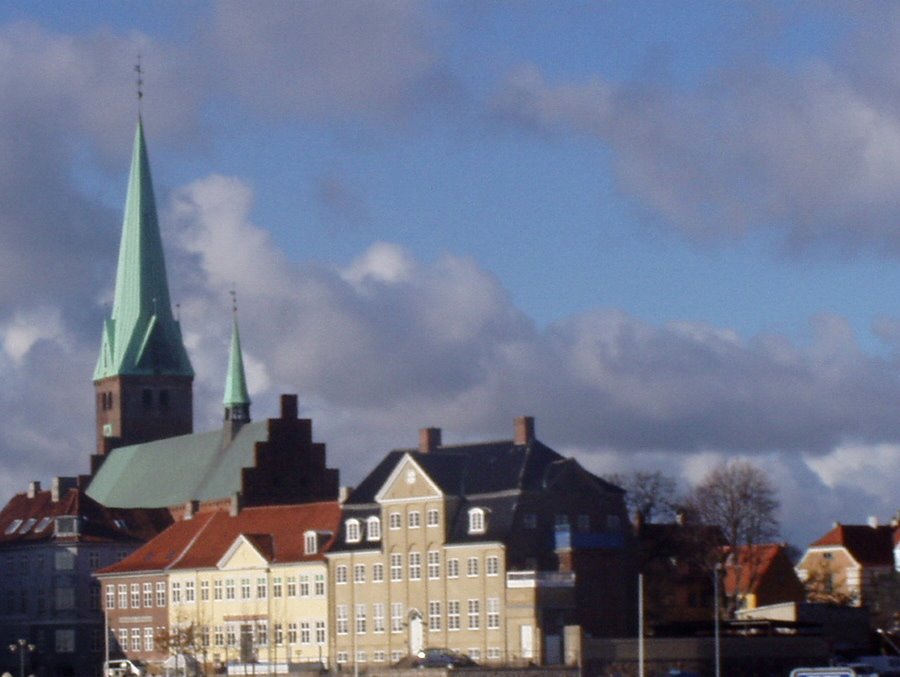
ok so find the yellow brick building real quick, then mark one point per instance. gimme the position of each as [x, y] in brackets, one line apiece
[470, 547]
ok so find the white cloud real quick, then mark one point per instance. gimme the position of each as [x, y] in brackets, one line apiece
[811, 155]
[27, 328]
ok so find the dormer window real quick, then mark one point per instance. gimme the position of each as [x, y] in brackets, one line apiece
[373, 529]
[352, 530]
[27, 525]
[15, 524]
[476, 521]
[67, 525]
[42, 524]
[310, 542]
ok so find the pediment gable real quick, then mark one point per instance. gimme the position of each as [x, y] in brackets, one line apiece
[408, 481]
[244, 553]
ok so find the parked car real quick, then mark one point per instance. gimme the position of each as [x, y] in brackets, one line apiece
[124, 667]
[442, 658]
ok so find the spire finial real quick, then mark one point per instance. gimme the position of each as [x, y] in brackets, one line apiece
[140, 82]
[233, 301]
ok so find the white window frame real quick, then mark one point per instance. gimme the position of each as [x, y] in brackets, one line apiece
[351, 528]
[476, 521]
[373, 529]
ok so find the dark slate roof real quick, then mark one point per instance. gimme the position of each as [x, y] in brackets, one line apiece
[97, 523]
[468, 470]
[488, 475]
[173, 471]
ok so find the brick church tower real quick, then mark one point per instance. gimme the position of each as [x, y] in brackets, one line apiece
[143, 379]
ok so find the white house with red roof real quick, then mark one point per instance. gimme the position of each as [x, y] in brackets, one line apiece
[844, 564]
[248, 586]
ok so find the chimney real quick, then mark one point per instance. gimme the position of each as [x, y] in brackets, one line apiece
[429, 439]
[235, 508]
[59, 486]
[524, 430]
[191, 508]
[873, 521]
[344, 493]
[34, 489]
[288, 406]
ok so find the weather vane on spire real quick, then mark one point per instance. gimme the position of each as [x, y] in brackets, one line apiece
[140, 81]
[233, 301]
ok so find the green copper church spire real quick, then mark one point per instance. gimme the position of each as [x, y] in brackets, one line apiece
[141, 337]
[236, 400]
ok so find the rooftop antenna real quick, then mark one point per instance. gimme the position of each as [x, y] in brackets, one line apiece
[140, 82]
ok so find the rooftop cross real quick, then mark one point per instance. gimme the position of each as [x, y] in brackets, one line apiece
[140, 81]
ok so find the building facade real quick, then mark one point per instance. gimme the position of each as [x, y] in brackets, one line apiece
[474, 548]
[50, 543]
[248, 586]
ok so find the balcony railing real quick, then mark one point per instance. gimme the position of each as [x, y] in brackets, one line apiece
[540, 579]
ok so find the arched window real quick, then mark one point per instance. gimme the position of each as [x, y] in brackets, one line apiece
[373, 529]
[311, 542]
[476, 521]
[352, 530]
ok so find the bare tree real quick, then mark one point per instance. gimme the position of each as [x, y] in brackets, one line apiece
[821, 587]
[739, 499]
[651, 495]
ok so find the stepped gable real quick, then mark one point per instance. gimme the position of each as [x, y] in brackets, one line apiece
[271, 462]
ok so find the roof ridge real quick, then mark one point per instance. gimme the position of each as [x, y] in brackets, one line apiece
[190, 544]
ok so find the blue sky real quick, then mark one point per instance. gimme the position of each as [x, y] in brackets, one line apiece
[667, 230]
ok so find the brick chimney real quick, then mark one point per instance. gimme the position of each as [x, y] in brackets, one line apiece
[429, 439]
[34, 489]
[524, 430]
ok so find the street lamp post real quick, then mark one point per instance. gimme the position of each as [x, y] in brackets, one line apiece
[718, 657]
[21, 646]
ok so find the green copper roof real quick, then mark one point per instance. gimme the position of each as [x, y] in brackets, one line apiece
[235, 381]
[201, 466]
[141, 336]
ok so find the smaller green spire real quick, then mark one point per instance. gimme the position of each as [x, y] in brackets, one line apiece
[236, 400]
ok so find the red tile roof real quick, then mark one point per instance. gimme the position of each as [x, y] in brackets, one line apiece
[200, 542]
[749, 566]
[870, 546]
[98, 523]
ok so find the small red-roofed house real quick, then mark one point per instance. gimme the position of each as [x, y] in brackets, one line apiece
[760, 575]
[243, 587]
[843, 565]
